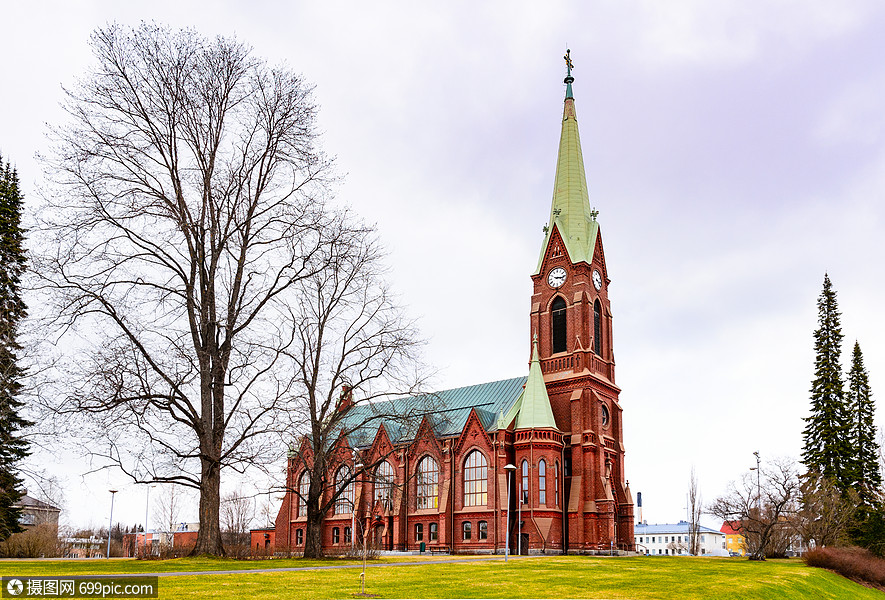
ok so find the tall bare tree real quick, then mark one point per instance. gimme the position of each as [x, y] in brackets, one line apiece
[695, 507]
[188, 208]
[355, 349]
[761, 509]
[237, 513]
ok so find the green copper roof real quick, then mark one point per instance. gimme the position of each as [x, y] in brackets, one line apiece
[447, 412]
[570, 211]
[534, 404]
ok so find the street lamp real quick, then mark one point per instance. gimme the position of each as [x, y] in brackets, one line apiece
[510, 469]
[147, 505]
[356, 467]
[111, 523]
[758, 483]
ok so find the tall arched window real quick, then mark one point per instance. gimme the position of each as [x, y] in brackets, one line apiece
[556, 483]
[542, 482]
[557, 325]
[344, 502]
[597, 328]
[384, 484]
[476, 478]
[524, 489]
[303, 489]
[428, 483]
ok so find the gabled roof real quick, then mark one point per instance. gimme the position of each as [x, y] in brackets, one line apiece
[729, 528]
[446, 412]
[680, 527]
[28, 502]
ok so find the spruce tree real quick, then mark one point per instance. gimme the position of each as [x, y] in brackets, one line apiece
[826, 447]
[13, 448]
[865, 449]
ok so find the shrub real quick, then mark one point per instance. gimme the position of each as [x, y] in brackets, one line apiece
[857, 564]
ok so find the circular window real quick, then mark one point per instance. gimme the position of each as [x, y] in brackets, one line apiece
[605, 416]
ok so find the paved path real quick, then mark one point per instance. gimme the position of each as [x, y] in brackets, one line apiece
[316, 568]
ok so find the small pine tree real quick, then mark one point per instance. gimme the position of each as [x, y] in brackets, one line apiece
[13, 448]
[865, 465]
[826, 448]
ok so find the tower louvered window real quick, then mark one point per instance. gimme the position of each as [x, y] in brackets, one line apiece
[597, 328]
[558, 325]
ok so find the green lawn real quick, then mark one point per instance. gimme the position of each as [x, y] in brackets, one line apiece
[542, 577]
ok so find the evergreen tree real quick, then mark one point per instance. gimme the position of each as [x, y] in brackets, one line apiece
[13, 448]
[865, 453]
[826, 447]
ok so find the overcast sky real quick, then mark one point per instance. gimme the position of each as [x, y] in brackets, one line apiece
[734, 149]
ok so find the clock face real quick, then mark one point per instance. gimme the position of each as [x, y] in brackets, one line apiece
[556, 277]
[597, 280]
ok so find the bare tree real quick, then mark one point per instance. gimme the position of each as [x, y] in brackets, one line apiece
[167, 509]
[354, 349]
[695, 507]
[237, 513]
[825, 513]
[188, 208]
[761, 510]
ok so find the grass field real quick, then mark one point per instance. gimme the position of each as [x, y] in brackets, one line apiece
[541, 577]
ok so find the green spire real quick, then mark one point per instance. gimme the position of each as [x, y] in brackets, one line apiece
[534, 409]
[570, 210]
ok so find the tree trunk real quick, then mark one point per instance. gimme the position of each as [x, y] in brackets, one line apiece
[313, 541]
[209, 536]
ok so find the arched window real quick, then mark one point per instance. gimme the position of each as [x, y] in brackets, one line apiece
[466, 530]
[597, 328]
[299, 537]
[303, 489]
[542, 482]
[433, 531]
[419, 532]
[482, 530]
[524, 490]
[384, 484]
[344, 502]
[476, 477]
[557, 325]
[428, 483]
[556, 484]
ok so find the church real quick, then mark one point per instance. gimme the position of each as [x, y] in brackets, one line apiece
[536, 462]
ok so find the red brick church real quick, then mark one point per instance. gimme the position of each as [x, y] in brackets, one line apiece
[444, 482]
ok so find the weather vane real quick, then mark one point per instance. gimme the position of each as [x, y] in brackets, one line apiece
[594, 213]
[568, 62]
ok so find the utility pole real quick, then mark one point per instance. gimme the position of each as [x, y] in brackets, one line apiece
[111, 523]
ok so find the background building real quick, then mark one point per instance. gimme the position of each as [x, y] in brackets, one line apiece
[672, 540]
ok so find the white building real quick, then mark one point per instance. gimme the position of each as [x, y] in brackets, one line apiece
[672, 540]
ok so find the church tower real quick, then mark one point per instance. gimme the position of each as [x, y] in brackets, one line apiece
[571, 318]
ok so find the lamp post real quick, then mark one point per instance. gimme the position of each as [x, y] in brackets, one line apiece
[758, 489]
[356, 467]
[147, 506]
[111, 523]
[510, 469]
[758, 483]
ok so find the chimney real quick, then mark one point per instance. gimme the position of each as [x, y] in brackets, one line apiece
[345, 401]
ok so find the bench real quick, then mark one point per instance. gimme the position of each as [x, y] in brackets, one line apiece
[439, 549]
